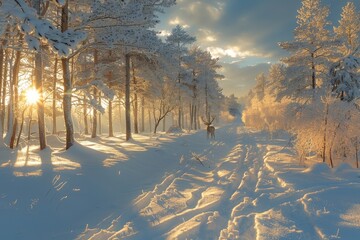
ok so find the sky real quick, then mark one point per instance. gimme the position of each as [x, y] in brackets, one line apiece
[244, 34]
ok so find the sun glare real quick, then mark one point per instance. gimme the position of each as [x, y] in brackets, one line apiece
[32, 96]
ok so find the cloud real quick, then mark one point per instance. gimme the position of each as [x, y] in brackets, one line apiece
[243, 32]
[175, 21]
[248, 26]
[213, 10]
[206, 35]
[239, 80]
[164, 33]
[233, 52]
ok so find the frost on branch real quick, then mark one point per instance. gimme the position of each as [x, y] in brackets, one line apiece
[36, 29]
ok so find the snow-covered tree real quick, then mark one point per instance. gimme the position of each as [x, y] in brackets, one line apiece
[259, 88]
[345, 78]
[180, 39]
[276, 79]
[348, 31]
[37, 29]
[310, 50]
[233, 105]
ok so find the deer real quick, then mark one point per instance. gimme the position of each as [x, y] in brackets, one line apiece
[209, 129]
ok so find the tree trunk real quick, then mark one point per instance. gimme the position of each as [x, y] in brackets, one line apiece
[21, 126]
[111, 131]
[183, 123]
[40, 103]
[70, 140]
[142, 114]
[179, 112]
[110, 84]
[85, 117]
[15, 85]
[150, 125]
[157, 122]
[207, 114]
[197, 120]
[325, 132]
[330, 157]
[313, 76]
[135, 111]
[164, 121]
[191, 111]
[4, 92]
[195, 117]
[100, 116]
[54, 129]
[136, 105]
[95, 94]
[94, 117]
[1, 86]
[357, 152]
[120, 118]
[39, 87]
[127, 97]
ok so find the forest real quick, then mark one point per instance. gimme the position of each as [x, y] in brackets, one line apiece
[100, 64]
[314, 92]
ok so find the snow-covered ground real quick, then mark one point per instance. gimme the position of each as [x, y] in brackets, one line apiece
[242, 185]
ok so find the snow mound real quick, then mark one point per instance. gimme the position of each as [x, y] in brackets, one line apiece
[343, 167]
[318, 168]
[174, 129]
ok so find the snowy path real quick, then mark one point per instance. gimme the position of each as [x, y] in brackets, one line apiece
[240, 193]
[240, 186]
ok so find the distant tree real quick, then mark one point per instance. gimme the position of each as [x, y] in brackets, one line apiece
[233, 105]
[277, 79]
[260, 86]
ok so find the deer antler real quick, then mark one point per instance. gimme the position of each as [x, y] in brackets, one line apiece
[212, 119]
[208, 122]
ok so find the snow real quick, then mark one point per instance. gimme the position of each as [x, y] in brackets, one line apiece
[246, 186]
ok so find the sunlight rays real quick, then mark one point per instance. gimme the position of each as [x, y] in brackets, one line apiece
[32, 96]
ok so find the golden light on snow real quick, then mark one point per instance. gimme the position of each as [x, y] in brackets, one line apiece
[32, 96]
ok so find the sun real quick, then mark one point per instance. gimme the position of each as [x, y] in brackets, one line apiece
[32, 96]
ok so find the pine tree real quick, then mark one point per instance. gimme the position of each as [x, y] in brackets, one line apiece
[179, 38]
[310, 49]
[348, 31]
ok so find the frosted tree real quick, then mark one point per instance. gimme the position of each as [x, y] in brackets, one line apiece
[259, 88]
[199, 79]
[345, 78]
[233, 105]
[180, 39]
[265, 110]
[277, 79]
[129, 28]
[310, 49]
[193, 75]
[38, 30]
[348, 31]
